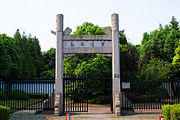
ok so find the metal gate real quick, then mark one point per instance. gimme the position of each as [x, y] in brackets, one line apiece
[75, 94]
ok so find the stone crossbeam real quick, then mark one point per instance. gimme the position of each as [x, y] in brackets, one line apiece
[87, 38]
[87, 50]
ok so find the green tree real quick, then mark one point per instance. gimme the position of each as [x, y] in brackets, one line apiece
[159, 45]
[176, 59]
[88, 29]
[31, 56]
[49, 61]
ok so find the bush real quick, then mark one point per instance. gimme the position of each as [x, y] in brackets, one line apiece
[171, 112]
[160, 93]
[38, 95]
[145, 98]
[4, 113]
[3, 95]
[19, 95]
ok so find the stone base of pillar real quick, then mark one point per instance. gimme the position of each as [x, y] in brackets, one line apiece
[117, 104]
[57, 97]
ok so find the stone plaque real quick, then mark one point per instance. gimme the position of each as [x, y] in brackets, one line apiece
[87, 44]
[126, 85]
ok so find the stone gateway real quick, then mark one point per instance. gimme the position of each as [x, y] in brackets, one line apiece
[68, 45]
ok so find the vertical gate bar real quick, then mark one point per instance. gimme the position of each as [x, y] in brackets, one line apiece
[45, 103]
[28, 84]
[34, 93]
[79, 93]
[48, 99]
[49, 95]
[74, 92]
[46, 88]
[169, 85]
[18, 93]
[63, 96]
[87, 82]
[71, 94]
[65, 92]
[25, 82]
[40, 83]
[36, 88]
[66, 95]
[11, 83]
[69, 90]
[44, 95]
[79, 87]
[84, 98]
[5, 103]
[2, 84]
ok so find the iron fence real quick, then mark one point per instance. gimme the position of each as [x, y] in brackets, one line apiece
[27, 94]
[149, 95]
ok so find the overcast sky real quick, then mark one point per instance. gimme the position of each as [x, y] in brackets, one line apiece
[38, 17]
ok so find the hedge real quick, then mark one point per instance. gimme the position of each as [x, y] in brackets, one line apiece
[38, 95]
[3, 95]
[18, 95]
[171, 112]
[4, 113]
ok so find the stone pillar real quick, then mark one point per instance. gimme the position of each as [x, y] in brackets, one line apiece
[59, 66]
[115, 64]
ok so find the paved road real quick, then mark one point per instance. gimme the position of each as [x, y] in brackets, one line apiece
[87, 117]
[96, 112]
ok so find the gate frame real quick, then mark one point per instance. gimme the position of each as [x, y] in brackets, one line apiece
[60, 36]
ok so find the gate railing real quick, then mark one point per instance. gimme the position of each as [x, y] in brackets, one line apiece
[27, 94]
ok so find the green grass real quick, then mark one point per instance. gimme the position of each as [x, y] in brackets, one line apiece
[17, 104]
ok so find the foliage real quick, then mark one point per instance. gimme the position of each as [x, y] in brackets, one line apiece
[3, 95]
[10, 58]
[20, 57]
[18, 95]
[157, 52]
[97, 66]
[32, 62]
[88, 29]
[160, 93]
[156, 70]
[128, 58]
[4, 113]
[171, 112]
[176, 59]
[49, 61]
[19, 104]
[38, 96]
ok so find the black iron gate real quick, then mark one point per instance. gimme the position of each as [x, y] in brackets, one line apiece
[75, 94]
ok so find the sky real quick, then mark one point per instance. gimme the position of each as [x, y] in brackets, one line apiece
[38, 17]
